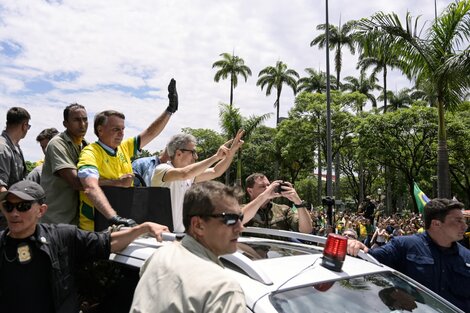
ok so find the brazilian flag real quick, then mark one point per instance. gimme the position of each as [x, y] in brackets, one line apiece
[420, 197]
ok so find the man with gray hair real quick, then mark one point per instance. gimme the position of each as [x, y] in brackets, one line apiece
[182, 170]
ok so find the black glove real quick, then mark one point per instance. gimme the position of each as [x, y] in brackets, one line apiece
[117, 220]
[173, 97]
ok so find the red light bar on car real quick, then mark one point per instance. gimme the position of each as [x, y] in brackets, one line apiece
[334, 252]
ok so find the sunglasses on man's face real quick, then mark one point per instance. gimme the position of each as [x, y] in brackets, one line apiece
[229, 219]
[20, 206]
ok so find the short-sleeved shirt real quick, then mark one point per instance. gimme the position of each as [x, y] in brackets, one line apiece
[12, 164]
[109, 165]
[276, 216]
[177, 190]
[62, 199]
[35, 174]
[145, 167]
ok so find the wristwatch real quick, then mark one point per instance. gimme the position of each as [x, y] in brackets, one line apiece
[302, 204]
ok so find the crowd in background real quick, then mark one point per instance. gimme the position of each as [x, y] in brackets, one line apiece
[374, 231]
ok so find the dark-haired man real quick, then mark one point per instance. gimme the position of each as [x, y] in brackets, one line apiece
[262, 212]
[59, 173]
[43, 139]
[108, 160]
[39, 260]
[188, 276]
[434, 258]
[12, 164]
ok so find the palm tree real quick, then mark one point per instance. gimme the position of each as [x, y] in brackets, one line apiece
[338, 37]
[231, 121]
[231, 65]
[380, 63]
[364, 85]
[400, 100]
[276, 76]
[436, 59]
[314, 82]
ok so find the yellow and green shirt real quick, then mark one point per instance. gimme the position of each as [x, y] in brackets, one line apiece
[109, 165]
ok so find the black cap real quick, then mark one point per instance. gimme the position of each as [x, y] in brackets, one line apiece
[25, 190]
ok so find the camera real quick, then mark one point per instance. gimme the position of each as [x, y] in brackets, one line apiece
[328, 201]
[279, 188]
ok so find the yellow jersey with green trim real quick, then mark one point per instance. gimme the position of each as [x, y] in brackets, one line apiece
[109, 166]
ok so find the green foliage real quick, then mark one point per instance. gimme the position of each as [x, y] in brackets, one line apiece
[459, 147]
[207, 141]
[30, 166]
[275, 77]
[338, 37]
[435, 60]
[314, 82]
[259, 152]
[231, 66]
[403, 140]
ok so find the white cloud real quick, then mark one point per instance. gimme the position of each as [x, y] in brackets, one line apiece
[144, 43]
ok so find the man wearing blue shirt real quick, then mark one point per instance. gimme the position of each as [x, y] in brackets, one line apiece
[433, 258]
[145, 167]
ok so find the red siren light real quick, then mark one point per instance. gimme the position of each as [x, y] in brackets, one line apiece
[335, 252]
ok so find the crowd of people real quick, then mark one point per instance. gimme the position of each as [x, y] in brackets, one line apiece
[47, 221]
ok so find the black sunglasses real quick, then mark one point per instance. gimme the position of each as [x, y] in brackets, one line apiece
[229, 219]
[20, 206]
[193, 152]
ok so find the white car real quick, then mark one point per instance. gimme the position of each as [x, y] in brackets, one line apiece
[291, 276]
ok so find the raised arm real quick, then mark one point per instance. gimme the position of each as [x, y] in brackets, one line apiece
[250, 209]
[223, 165]
[305, 220]
[159, 124]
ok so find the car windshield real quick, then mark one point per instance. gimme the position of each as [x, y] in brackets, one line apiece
[383, 292]
[270, 250]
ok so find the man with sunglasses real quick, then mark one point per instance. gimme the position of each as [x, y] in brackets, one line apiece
[188, 276]
[37, 261]
[12, 164]
[182, 170]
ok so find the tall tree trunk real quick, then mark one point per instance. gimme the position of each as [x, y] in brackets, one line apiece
[385, 87]
[238, 181]
[319, 171]
[337, 175]
[443, 177]
[388, 191]
[231, 90]
[361, 182]
[227, 177]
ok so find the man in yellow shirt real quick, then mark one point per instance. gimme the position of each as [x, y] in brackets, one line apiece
[109, 160]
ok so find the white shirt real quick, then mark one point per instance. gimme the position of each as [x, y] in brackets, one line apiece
[177, 190]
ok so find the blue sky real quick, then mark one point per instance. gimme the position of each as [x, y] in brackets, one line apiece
[116, 54]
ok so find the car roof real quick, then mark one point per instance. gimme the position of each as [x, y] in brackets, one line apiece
[278, 265]
[287, 259]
